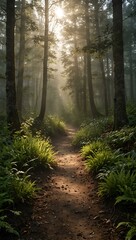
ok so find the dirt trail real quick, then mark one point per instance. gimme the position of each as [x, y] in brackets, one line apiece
[68, 207]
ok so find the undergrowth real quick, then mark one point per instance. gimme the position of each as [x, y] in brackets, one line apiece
[91, 131]
[111, 157]
[52, 126]
[19, 156]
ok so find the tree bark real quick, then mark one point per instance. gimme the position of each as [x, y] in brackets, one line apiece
[120, 116]
[45, 64]
[131, 59]
[85, 88]
[100, 57]
[21, 61]
[77, 77]
[94, 111]
[12, 114]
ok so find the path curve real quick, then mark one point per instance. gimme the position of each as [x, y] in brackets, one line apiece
[68, 207]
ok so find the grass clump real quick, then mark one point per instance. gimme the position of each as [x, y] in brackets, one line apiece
[111, 157]
[116, 183]
[92, 148]
[131, 112]
[91, 131]
[33, 151]
[131, 226]
[100, 160]
[53, 126]
[19, 156]
[124, 139]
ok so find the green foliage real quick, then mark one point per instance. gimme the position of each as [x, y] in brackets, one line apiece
[92, 148]
[112, 157]
[131, 112]
[5, 225]
[91, 131]
[100, 160]
[15, 183]
[124, 139]
[131, 226]
[23, 188]
[18, 156]
[6, 200]
[53, 126]
[34, 151]
[116, 183]
[128, 194]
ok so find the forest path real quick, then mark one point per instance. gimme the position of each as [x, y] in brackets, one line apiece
[68, 207]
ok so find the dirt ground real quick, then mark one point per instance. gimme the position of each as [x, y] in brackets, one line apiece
[67, 206]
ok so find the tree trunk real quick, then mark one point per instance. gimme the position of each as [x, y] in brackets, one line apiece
[77, 77]
[100, 57]
[109, 87]
[85, 88]
[120, 116]
[45, 64]
[21, 61]
[89, 68]
[12, 114]
[131, 59]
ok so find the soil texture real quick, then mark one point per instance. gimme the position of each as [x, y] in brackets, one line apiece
[67, 207]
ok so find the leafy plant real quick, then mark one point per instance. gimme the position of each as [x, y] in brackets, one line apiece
[100, 159]
[34, 151]
[124, 139]
[4, 224]
[53, 126]
[91, 131]
[113, 185]
[131, 112]
[131, 225]
[128, 194]
[92, 148]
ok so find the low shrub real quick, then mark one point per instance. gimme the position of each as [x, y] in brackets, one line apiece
[15, 186]
[101, 159]
[4, 221]
[34, 151]
[20, 154]
[125, 139]
[115, 184]
[53, 126]
[131, 112]
[92, 148]
[91, 131]
[130, 226]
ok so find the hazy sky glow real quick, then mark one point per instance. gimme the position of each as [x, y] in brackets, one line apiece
[59, 12]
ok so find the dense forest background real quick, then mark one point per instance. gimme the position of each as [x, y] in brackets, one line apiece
[64, 61]
[68, 62]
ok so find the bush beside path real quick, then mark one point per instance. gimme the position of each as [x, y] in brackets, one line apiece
[67, 206]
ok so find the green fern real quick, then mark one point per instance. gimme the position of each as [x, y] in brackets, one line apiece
[113, 184]
[5, 225]
[131, 225]
[128, 194]
[92, 148]
[4, 199]
[99, 160]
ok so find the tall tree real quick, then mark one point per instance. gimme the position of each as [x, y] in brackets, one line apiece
[96, 13]
[120, 116]
[12, 114]
[45, 63]
[89, 68]
[21, 60]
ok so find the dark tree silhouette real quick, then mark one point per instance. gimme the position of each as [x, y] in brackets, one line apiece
[45, 64]
[12, 114]
[120, 116]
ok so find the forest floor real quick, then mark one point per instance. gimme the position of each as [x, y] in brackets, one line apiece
[67, 206]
